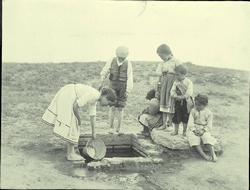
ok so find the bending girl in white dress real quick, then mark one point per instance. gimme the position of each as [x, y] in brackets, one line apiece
[62, 113]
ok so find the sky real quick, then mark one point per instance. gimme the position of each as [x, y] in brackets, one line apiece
[52, 31]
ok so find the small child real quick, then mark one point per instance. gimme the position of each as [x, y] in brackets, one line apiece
[199, 127]
[150, 117]
[182, 91]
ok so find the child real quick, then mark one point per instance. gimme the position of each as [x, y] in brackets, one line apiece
[182, 92]
[63, 115]
[165, 71]
[120, 74]
[150, 117]
[199, 127]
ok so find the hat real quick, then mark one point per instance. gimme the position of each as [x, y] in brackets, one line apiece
[164, 49]
[122, 51]
[202, 99]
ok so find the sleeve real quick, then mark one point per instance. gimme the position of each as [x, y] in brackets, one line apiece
[189, 91]
[173, 90]
[159, 69]
[92, 109]
[105, 70]
[88, 98]
[190, 124]
[130, 77]
[209, 124]
[177, 62]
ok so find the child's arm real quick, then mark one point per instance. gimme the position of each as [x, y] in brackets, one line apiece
[159, 70]
[104, 73]
[173, 92]
[191, 125]
[189, 91]
[158, 85]
[209, 124]
[130, 78]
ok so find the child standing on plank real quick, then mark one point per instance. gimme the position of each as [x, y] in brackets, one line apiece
[182, 91]
[165, 71]
[199, 127]
[63, 115]
[120, 73]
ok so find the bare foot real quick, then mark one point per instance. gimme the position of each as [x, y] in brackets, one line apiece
[214, 158]
[207, 158]
[174, 133]
[184, 134]
[161, 128]
[119, 131]
[146, 133]
[74, 157]
[169, 129]
[111, 130]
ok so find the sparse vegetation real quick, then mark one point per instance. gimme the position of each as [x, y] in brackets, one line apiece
[27, 90]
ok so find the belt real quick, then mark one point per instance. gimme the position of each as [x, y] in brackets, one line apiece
[165, 73]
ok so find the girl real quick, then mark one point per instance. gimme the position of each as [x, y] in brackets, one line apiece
[63, 115]
[165, 71]
[199, 127]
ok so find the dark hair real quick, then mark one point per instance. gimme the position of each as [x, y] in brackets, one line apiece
[110, 93]
[164, 49]
[150, 94]
[181, 69]
[202, 99]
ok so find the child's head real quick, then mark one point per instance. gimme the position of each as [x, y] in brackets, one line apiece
[150, 94]
[180, 72]
[121, 53]
[108, 96]
[201, 102]
[164, 52]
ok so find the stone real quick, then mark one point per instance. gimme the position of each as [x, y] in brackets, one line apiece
[177, 142]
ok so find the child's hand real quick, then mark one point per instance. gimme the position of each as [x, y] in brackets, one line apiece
[199, 133]
[180, 98]
[178, 92]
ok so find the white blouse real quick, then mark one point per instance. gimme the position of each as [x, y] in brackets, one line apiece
[87, 95]
[167, 66]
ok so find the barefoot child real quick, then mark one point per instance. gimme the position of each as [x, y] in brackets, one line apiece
[62, 113]
[119, 70]
[182, 91]
[199, 127]
[165, 71]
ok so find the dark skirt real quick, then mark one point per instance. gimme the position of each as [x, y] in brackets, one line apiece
[166, 101]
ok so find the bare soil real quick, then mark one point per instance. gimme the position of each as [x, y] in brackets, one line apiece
[33, 158]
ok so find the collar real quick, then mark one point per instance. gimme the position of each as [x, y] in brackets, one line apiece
[119, 63]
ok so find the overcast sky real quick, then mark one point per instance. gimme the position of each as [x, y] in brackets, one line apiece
[204, 33]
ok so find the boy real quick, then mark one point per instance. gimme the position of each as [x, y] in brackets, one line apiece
[181, 91]
[120, 74]
[199, 127]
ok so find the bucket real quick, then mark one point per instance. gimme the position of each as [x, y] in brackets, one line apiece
[95, 149]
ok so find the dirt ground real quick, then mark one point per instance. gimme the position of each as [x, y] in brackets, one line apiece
[33, 158]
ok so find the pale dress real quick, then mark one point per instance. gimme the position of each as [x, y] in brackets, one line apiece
[166, 71]
[60, 114]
